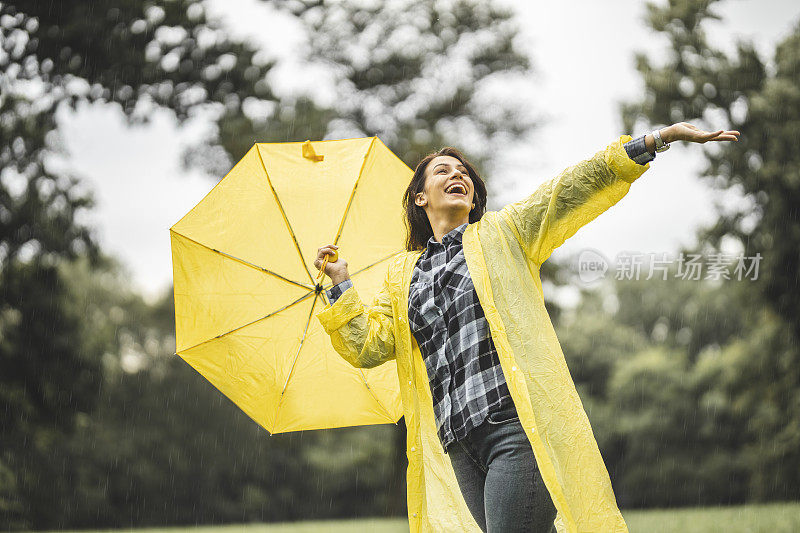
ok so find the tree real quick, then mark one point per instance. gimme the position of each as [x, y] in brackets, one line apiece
[132, 53]
[749, 360]
[691, 389]
[125, 437]
[761, 101]
[420, 75]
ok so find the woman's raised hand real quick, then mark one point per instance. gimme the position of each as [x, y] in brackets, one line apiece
[336, 267]
[683, 131]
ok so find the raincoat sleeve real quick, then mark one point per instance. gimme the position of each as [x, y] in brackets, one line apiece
[362, 335]
[561, 206]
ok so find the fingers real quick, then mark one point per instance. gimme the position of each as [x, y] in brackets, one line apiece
[694, 134]
[710, 136]
[327, 250]
[731, 135]
[719, 135]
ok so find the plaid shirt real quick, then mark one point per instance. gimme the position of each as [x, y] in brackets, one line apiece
[447, 320]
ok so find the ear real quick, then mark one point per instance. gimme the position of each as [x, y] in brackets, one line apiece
[420, 199]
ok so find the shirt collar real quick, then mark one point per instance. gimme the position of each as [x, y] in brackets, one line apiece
[452, 236]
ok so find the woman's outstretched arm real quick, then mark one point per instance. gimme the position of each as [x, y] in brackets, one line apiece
[581, 192]
[362, 335]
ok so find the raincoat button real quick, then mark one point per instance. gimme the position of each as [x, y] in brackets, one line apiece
[533, 429]
[514, 368]
[415, 514]
[413, 448]
[409, 382]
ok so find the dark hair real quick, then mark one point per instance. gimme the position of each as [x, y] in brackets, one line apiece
[417, 223]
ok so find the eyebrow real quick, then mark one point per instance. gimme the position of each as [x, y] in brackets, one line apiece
[458, 165]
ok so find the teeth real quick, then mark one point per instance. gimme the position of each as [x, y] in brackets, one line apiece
[458, 188]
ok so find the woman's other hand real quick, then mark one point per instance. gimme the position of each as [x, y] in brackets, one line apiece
[335, 268]
[683, 131]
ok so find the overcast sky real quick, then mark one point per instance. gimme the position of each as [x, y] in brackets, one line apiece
[583, 54]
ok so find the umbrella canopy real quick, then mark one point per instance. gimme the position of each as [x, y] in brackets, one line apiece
[244, 280]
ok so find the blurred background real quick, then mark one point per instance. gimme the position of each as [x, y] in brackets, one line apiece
[117, 116]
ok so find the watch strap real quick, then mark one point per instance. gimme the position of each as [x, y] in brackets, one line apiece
[660, 144]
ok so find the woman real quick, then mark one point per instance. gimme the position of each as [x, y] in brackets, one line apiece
[461, 310]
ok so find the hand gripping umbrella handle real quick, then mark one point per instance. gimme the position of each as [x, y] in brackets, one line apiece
[325, 262]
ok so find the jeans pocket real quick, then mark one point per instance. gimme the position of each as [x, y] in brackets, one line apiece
[503, 416]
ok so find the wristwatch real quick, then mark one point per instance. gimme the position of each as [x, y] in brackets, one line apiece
[661, 146]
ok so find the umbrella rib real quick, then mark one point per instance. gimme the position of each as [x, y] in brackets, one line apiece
[309, 293]
[353, 192]
[248, 263]
[262, 269]
[294, 361]
[361, 371]
[285, 220]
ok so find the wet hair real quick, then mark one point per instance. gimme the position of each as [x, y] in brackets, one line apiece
[417, 223]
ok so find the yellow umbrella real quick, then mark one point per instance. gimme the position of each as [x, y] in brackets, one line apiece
[245, 291]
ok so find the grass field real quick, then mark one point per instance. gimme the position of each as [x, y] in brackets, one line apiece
[776, 517]
[773, 518]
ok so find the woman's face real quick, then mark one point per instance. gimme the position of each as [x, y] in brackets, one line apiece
[448, 186]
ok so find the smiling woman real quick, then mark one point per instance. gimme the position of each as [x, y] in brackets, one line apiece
[479, 363]
[430, 203]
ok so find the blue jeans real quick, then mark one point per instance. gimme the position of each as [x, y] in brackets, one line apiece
[498, 476]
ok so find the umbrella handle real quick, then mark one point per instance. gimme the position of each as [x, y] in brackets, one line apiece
[325, 262]
[322, 268]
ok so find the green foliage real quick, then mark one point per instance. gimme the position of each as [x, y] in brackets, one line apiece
[762, 101]
[136, 54]
[154, 443]
[737, 342]
[753, 388]
[56, 337]
[101, 423]
[55, 334]
[692, 390]
[420, 75]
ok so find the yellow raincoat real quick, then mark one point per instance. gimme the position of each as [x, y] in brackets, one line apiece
[503, 252]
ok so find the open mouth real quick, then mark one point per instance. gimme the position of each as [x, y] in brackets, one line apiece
[456, 189]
